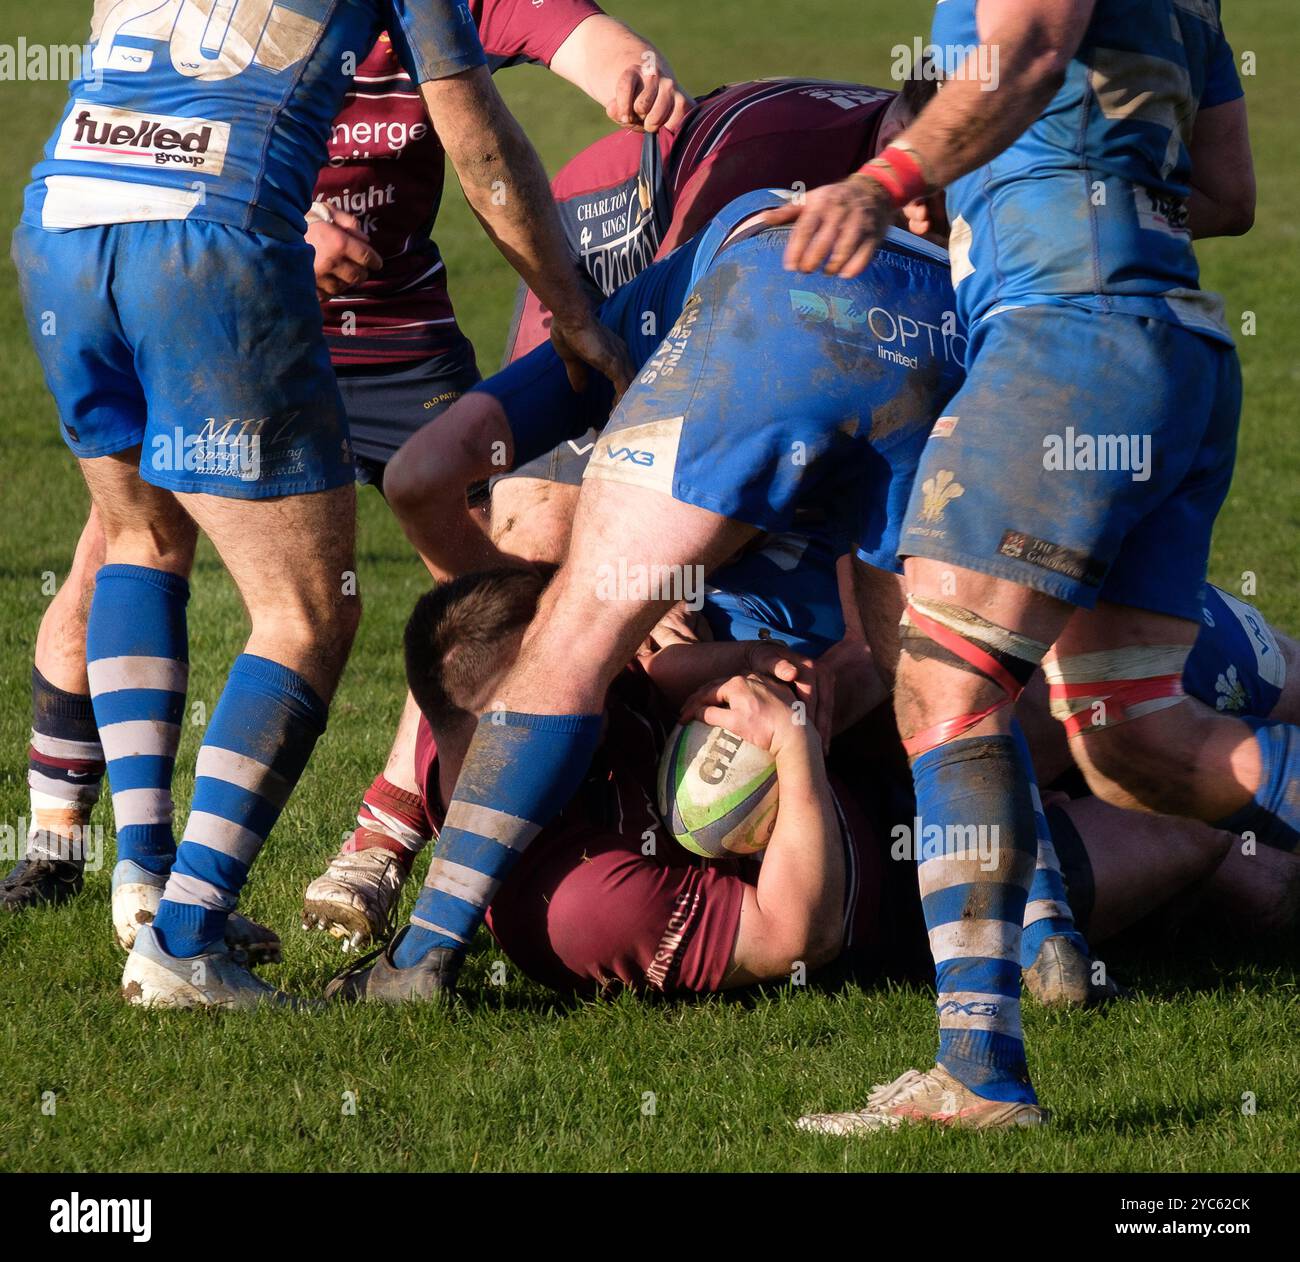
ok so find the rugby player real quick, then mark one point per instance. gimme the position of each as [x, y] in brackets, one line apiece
[784, 589]
[1075, 184]
[623, 201]
[690, 468]
[605, 899]
[182, 181]
[394, 342]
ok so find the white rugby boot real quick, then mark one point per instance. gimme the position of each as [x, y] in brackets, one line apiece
[933, 1098]
[137, 893]
[212, 979]
[355, 898]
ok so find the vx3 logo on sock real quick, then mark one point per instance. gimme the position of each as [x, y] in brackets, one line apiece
[973, 1008]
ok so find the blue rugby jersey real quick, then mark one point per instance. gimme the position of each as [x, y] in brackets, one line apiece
[221, 109]
[1089, 205]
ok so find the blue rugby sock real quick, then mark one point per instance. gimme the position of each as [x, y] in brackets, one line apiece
[519, 772]
[1273, 815]
[973, 890]
[137, 658]
[262, 732]
[1047, 912]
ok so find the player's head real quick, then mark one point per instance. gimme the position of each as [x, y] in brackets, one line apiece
[463, 637]
[914, 94]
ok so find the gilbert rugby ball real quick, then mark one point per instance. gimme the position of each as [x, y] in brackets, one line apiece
[717, 793]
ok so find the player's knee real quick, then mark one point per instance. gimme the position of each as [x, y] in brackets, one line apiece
[956, 669]
[924, 695]
[313, 622]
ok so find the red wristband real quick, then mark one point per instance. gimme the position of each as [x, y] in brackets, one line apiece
[899, 173]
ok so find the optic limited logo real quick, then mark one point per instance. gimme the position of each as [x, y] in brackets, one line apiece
[94, 133]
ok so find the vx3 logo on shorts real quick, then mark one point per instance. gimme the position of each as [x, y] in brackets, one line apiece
[631, 455]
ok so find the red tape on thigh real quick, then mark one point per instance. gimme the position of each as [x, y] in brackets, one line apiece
[1116, 694]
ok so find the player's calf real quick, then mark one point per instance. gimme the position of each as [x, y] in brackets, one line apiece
[292, 560]
[959, 674]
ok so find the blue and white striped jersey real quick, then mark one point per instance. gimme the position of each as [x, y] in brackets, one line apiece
[221, 109]
[1089, 205]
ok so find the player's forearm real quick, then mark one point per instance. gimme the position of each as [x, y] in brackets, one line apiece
[800, 893]
[597, 53]
[506, 187]
[1209, 218]
[451, 541]
[1222, 201]
[967, 124]
[679, 669]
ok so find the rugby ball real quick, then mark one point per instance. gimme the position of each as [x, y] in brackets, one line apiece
[717, 793]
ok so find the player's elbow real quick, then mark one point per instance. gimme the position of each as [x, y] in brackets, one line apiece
[1046, 72]
[824, 942]
[804, 943]
[1239, 215]
[439, 463]
[406, 486]
[1044, 60]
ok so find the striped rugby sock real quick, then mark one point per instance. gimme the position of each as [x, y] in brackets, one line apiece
[519, 772]
[1047, 913]
[262, 732]
[137, 659]
[976, 855]
[65, 767]
[392, 819]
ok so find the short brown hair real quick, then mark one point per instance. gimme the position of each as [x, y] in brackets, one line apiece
[919, 89]
[456, 635]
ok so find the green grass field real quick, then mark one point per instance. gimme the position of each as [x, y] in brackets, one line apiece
[513, 1080]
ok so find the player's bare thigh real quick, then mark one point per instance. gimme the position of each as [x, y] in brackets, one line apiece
[1142, 862]
[1185, 759]
[532, 518]
[633, 553]
[142, 524]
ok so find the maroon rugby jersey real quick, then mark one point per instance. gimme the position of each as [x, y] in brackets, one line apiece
[386, 166]
[629, 198]
[587, 909]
